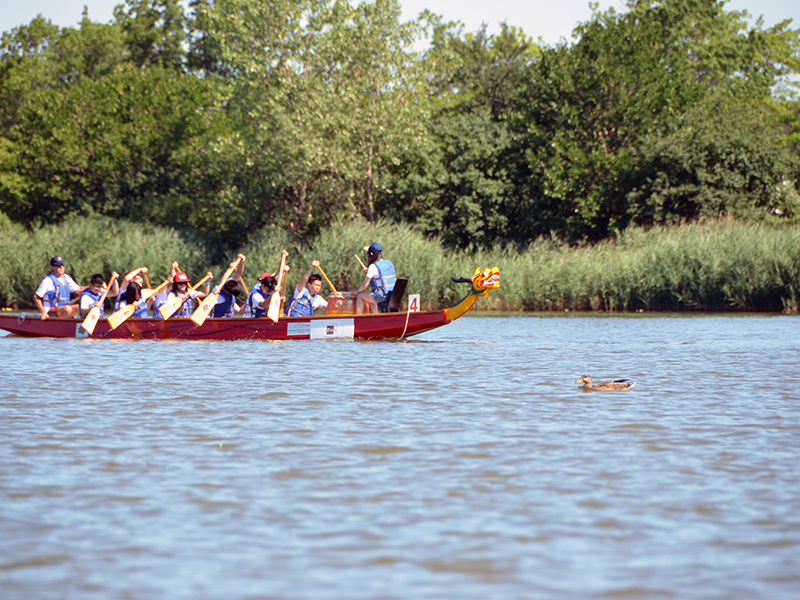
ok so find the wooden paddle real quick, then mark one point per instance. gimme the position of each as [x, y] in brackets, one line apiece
[175, 302]
[361, 262]
[146, 280]
[200, 315]
[96, 311]
[326, 279]
[126, 311]
[274, 310]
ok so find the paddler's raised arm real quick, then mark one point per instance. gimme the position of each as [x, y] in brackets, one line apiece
[239, 268]
[304, 279]
[114, 289]
[131, 275]
[206, 287]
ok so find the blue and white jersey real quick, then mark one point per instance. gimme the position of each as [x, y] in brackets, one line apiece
[382, 276]
[141, 310]
[225, 305]
[187, 308]
[88, 300]
[55, 291]
[254, 298]
[304, 304]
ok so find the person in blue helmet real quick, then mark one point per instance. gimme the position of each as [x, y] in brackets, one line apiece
[52, 297]
[378, 282]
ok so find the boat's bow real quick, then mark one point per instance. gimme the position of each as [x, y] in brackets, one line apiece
[482, 282]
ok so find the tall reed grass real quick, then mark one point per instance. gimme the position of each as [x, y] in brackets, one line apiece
[718, 266]
[89, 245]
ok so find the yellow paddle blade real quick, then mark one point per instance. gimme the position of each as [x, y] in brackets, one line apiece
[200, 315]
[91, 319]
[121, 315]
[146, 294]
[274, 310]
[170, 307]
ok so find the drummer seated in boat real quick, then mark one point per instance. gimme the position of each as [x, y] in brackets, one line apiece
[306, 297]
[92, 294]
[52, 297]
[379, 281]
[257, 302]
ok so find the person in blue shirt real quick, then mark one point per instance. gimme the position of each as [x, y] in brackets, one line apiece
[378, 282]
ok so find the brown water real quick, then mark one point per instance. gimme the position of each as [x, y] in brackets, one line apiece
[465, 463]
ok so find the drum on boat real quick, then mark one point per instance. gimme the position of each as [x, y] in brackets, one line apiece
[342, 303]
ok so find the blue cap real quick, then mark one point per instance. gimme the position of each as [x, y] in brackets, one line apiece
[375, 248]
[57, 261]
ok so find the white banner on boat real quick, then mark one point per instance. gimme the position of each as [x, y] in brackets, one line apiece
[298, 329]
[413, 303]
[333, 328]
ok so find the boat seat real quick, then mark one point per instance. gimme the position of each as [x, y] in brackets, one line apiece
[396, 299]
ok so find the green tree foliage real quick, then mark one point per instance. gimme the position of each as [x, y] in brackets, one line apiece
[327, 95]
[123, 144]
[464, 185]
[239, 115]
[95, 127]
[725, 162]
[594, 108]
[155, 32]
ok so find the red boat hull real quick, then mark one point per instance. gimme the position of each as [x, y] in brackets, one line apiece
[367, 327]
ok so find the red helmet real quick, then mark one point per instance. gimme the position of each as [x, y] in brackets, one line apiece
[263, 276]
[181, 277]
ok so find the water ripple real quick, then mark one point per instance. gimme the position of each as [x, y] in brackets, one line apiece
[441, 467]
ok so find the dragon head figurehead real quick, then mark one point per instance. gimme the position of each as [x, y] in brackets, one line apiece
[483, 281]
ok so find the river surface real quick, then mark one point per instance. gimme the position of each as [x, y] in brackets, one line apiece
[462, 464]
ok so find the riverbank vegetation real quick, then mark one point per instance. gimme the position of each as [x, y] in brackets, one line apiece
[229, 125]
[723, 265]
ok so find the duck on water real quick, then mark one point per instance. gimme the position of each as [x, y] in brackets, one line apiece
[618, 385]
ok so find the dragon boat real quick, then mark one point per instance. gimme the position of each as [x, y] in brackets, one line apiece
[391, 325]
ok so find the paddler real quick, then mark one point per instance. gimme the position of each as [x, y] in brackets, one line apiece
[180, 286]
[131, 294]
[306, 297]
[160, 298]
[132, 281]
[226, 305]
[257, 301]
[92, 294]
[53, 294]
[378, 282]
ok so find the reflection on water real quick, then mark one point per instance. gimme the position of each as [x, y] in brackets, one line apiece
[465, 463]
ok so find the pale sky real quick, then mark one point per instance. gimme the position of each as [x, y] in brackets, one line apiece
[548, 19]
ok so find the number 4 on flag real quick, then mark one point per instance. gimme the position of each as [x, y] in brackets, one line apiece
[413, 303]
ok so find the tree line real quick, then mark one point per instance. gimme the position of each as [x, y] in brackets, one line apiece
[232, 116]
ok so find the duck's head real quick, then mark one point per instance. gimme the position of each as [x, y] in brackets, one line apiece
[585, 380]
